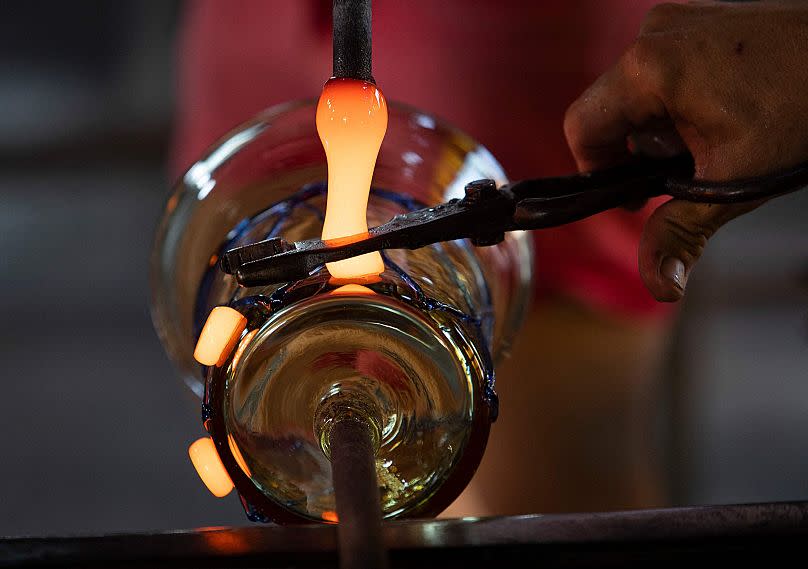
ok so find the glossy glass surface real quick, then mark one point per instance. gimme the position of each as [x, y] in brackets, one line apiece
[411, 372]
[414, 350]
[268, 159]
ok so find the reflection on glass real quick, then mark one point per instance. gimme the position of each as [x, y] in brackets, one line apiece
[411, 354]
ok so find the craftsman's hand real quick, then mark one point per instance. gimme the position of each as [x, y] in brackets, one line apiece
[730, 82]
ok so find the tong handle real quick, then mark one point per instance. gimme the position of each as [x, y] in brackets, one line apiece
[554, 201]
[548, 202]
[743, 190]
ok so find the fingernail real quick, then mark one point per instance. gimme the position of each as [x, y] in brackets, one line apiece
[674, 270]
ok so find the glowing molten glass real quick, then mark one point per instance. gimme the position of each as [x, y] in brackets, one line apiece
[209, 467]
[352, 288]
[219, 336]
[351, 122]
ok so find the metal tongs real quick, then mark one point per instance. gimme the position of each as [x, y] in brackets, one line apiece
[486, 213]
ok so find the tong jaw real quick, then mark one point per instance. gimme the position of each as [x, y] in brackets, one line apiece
[234, 259]
[484, 215]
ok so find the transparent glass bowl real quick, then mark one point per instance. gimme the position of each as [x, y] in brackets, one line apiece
[414, 351]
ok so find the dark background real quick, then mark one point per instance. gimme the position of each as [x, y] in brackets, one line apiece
[96, 424]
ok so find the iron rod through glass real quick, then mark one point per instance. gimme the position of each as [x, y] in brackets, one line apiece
[353, 466]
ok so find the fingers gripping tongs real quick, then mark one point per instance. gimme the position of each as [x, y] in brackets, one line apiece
[486, 213]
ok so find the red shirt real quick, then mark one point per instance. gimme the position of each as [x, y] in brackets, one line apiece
[503, 71]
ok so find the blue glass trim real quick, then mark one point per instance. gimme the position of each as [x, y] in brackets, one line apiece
[206, 413]
[482, 325]
[253, 514]
[429, 303]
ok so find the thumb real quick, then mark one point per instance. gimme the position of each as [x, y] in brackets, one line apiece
[673, 240]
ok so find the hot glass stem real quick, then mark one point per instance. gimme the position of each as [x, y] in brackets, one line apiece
[356, 490]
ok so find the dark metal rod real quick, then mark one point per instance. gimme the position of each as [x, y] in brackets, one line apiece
[359, 529]
[352, 40]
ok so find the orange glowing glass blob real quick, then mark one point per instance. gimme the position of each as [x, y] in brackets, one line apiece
[330, 516]
[209, 467]
[351, 122]
[219, 336]
[352, 288]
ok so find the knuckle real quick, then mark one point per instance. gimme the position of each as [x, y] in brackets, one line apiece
[573, 125]
[661, 16]
[642, 56]
[649, 62]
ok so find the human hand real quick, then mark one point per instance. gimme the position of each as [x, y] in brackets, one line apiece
[727, 81]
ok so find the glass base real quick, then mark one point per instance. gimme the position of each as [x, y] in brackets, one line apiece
[414, 376]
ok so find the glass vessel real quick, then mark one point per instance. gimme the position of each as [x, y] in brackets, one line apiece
[411, 353]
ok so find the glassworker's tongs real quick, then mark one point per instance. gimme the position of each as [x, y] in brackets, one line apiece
[486, 213]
